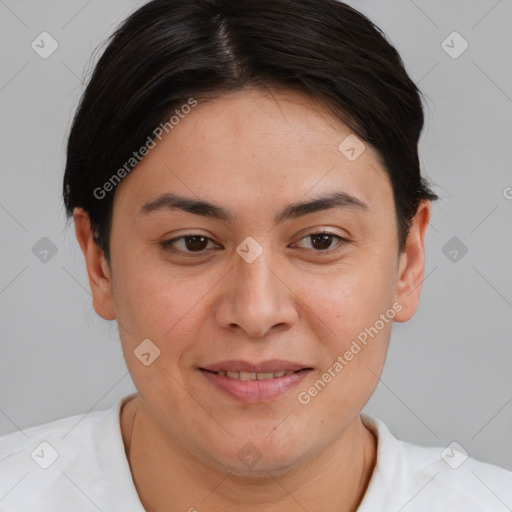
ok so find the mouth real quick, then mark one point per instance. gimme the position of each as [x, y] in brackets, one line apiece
[254, 375]
[255, 383]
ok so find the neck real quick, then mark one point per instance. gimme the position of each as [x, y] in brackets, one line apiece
[169, 478]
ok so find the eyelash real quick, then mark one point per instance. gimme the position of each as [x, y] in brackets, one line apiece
[167, 244]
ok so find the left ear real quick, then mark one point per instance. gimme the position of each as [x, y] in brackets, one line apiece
[411, 266]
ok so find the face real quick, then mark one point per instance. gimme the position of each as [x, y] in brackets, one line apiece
[293, 265]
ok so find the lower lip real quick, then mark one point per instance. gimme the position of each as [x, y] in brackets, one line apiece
[255, 391]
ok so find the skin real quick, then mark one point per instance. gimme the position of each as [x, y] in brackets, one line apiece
[254, 153]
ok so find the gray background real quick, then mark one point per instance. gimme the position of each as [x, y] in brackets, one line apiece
[448, 372]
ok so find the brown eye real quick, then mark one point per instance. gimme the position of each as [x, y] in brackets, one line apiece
[187, 244]
[323, 242]
[196, 243]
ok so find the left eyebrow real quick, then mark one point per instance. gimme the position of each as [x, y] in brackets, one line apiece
[325, 202]
[170, 201]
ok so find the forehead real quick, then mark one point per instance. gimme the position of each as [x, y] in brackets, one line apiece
[256, 148]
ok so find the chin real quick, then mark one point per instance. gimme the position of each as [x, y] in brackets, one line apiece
[258, 455]
[260, 467]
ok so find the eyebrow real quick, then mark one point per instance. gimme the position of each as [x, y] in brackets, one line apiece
[170, 201]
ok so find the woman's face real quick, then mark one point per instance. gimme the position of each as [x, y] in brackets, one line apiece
[258, 283]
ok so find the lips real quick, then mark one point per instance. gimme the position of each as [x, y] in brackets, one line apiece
[253, 383]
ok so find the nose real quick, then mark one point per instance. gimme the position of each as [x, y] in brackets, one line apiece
[256, 298]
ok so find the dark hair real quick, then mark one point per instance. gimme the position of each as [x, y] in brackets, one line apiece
[169, 51]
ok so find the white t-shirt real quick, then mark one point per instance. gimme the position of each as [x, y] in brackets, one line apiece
[78, 463]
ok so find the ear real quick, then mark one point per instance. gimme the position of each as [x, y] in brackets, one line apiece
[100, 278]
[411, 266]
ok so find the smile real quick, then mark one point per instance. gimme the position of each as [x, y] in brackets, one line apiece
[254, 376]
[254, 387]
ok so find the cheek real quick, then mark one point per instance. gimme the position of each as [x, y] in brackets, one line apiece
[347, 315]
[346, 308]
[154, 301]
[152, 306]
[352, 295]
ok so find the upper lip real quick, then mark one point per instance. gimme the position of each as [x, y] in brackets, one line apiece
[270, 366]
